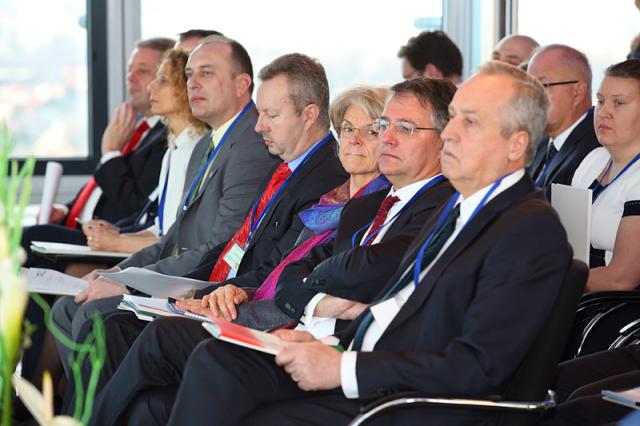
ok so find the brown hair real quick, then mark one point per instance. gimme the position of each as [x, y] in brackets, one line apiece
[177, 60]
[307, 82]
[433, 93]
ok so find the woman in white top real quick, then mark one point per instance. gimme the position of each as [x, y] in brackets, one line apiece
[169, 99]
[613, 172]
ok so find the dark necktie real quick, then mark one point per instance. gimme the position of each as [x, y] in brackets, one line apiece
[203, 163]
[241, 237]
[551, 152]
[440, 236]
[381, 216]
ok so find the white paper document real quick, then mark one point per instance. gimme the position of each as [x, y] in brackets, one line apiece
[574, 208]
[63, 249]
[156, 284]
[52, 177]
[48, 281]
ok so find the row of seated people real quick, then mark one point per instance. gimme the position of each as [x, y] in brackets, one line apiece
[337, 273]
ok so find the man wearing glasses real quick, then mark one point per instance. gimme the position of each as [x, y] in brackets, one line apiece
[566, 75]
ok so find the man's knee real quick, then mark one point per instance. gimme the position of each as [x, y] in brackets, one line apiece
[63, 312]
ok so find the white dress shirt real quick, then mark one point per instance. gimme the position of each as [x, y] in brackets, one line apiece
[320, 326]
[385, 312]
[175, 162]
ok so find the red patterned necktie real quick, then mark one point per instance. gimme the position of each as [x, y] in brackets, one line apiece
[221, 268]
[381, 216]
[87, 189]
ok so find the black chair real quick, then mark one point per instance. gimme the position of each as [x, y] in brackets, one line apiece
[531, 380]
[603, 321]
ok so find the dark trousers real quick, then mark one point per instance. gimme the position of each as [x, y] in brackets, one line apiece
[177, 354]
[580, 381]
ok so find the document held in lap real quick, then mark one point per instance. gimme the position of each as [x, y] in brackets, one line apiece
[48, 281]
[244, 336]
[155, 284]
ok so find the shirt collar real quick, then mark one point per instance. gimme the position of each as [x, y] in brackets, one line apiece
[294, 164]
[407, 192]
[559, 140]
[151, 121]
[217, 134]
[469, 205]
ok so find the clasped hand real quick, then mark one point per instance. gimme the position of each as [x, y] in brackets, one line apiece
[219, 303]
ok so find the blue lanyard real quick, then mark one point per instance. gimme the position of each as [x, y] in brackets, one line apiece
[433, 182]
[599, 189]
[163, 198]
[253, 224]
[213, 155]
[441, 219]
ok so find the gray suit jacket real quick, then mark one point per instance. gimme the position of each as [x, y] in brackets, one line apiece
[220, 207]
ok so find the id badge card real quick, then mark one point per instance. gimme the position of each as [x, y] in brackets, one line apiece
[234, 257]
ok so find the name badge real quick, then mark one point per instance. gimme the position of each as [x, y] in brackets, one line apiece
[234, 257]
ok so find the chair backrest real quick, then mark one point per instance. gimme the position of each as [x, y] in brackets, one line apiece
[532, 379]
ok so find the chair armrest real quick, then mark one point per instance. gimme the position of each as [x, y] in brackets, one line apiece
[609, 296]
[407, 399]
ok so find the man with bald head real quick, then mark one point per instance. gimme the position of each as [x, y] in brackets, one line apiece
[566, 75]
[514, 49]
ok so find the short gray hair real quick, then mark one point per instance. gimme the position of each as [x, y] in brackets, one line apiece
[528, 109]
[370, 99]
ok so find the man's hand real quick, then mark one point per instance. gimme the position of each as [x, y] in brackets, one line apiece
[57, 215]
[193, 305]
[99, 289]
[93, 275]
[88, 228]
[335, 307]
[223, 300]
[103, 239]
[314, 365]
[119, 129]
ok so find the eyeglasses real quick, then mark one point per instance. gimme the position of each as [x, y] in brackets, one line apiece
[558, 83]
[367, 132]
[402, 127]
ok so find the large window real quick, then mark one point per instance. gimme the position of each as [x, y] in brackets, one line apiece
[602, 30]
[357, 42]
[43, 76]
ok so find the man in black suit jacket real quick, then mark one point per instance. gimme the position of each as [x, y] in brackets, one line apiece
[459, 323]
[566, 74]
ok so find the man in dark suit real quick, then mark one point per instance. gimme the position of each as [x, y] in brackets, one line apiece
[365, 252]
[458, 322]
[570, 136]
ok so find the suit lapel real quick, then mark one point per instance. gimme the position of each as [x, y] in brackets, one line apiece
[569, 147]
[475, 227]
[249, 118]
[301, 173]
